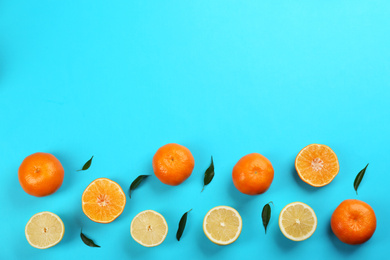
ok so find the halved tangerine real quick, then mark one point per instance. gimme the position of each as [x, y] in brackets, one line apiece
[103, 200]
[317, 165]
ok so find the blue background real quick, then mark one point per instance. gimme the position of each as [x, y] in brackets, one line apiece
[118, 79]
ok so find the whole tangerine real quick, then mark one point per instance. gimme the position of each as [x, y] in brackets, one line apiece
[173, 164]
[253, 174]
[41, 174]
[353, 222]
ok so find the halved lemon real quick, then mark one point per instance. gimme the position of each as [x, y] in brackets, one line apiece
[149, 228]
[44, 230]
[297, 221]
[222, 225]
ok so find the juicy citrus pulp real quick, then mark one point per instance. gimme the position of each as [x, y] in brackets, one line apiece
[149, 228]
[103, 200]
[44, 230]
[317, 165]
[222, 225]
[297, 221]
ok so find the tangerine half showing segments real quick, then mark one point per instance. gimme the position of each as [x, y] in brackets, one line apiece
[103, 200]
[173, 164]
[353, 222]
[317, 165]
[253, 174]
[41, 174]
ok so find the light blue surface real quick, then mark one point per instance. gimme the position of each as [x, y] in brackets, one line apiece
[119, 79]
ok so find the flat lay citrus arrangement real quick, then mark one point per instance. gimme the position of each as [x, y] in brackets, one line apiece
[103, 200]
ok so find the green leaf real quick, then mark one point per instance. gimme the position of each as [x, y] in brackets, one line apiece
[86, 240]
[136, 183]
[266, 215]
[359, 178]
[209, 174]
[182, 225]
[87, 165]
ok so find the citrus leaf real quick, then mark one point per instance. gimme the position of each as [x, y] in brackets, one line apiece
[266, 215]
[359, 178]
[182, 225]
[136, 183]
[87, 165]
[87, 241]
[209, 174]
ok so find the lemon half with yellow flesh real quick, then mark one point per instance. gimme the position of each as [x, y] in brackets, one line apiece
[222, 225]
[44, 230]
[149, 228]
[297, 221]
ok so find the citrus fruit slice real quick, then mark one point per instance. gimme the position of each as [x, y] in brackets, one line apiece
[103, 200]
[44, 230]
[149, 228]
[317, 165]
[297, 221]
[222, 225]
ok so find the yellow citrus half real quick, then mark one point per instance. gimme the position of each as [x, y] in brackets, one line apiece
[297, 221]
[222, 225]
[149, 228]
[44, 230]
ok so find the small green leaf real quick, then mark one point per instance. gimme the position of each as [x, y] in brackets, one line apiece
[209, 174]
[359, 178]
[136, 183]
[266, 215]
[86, 240]
[87, 165]
[182, 225]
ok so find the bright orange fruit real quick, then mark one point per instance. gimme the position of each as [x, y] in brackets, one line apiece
[103, 200]
[173, 164]
[353, 222]
[253, 174]
[41, 174]
[317, 165]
